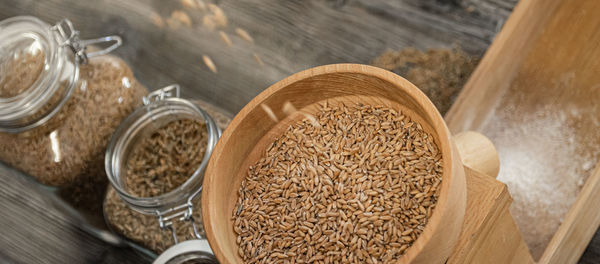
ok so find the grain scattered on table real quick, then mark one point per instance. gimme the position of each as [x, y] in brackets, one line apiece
[439, 73]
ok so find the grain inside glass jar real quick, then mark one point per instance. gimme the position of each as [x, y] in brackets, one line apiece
[354, 184]
[158, 164]
[166, 159]
[18, 73]
[68, 150]
[60, 102]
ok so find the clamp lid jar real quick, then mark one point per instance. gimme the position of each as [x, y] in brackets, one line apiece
[39, 69]
[155, 164]
[60, 101]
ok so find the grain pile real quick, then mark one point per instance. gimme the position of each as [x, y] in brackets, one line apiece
[166, 159]
[439, 73]
[356, 186]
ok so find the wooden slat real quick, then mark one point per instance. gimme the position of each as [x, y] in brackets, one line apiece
[499, 66]
[35, 230]
[575, 233]
[489, 233]
[544, 66]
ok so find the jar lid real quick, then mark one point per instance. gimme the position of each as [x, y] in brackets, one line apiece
[197, 250]
[39, 69]
[160, 108]
[27, 44]
[31, 65]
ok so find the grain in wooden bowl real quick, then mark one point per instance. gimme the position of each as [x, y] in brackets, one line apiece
[252, 132]
[358, 185]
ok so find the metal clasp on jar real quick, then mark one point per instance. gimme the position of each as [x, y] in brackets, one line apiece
[182, 212]
[172, 90]
[70, 38]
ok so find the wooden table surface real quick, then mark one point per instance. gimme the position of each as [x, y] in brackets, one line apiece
[288, 36]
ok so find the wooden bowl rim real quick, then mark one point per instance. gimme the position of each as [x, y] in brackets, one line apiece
[438, 125]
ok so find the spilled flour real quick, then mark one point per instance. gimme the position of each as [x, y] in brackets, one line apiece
[544, 160]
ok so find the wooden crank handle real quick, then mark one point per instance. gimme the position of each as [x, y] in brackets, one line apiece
[478, 152]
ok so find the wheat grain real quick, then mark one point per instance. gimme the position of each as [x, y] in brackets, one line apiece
[244, 35]
[209, 63]
[351, 184]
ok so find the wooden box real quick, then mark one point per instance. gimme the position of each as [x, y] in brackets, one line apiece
[536, 95]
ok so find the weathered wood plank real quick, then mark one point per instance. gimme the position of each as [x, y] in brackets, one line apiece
[289, 36]
[35, 230]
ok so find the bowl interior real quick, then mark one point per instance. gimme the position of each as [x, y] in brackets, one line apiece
[268, 116]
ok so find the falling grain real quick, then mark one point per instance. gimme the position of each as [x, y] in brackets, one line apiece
[189, 4]
[201, 5]
[258, 60]
[209, 63]
[173, 23]
[208, 22]
[157, 20]
[244, 35]
[219, 16]
[289, 108]
[225, 38]
[182, 17]
[269, 112]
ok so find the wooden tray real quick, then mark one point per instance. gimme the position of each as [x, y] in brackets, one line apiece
[536, 95]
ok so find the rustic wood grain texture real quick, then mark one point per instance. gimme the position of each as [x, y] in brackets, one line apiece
[489, 233]
[289, 36]
[572, 237]
[36, 230]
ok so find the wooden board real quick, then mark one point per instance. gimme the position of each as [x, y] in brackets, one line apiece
[535, 94]
[37, 230]
[489, 233]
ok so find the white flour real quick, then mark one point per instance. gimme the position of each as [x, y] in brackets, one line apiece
[544, 164]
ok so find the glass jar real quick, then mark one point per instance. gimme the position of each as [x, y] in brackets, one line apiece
[59, 104]
[176, 208]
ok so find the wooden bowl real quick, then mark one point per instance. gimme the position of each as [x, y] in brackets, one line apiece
[254, 128]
